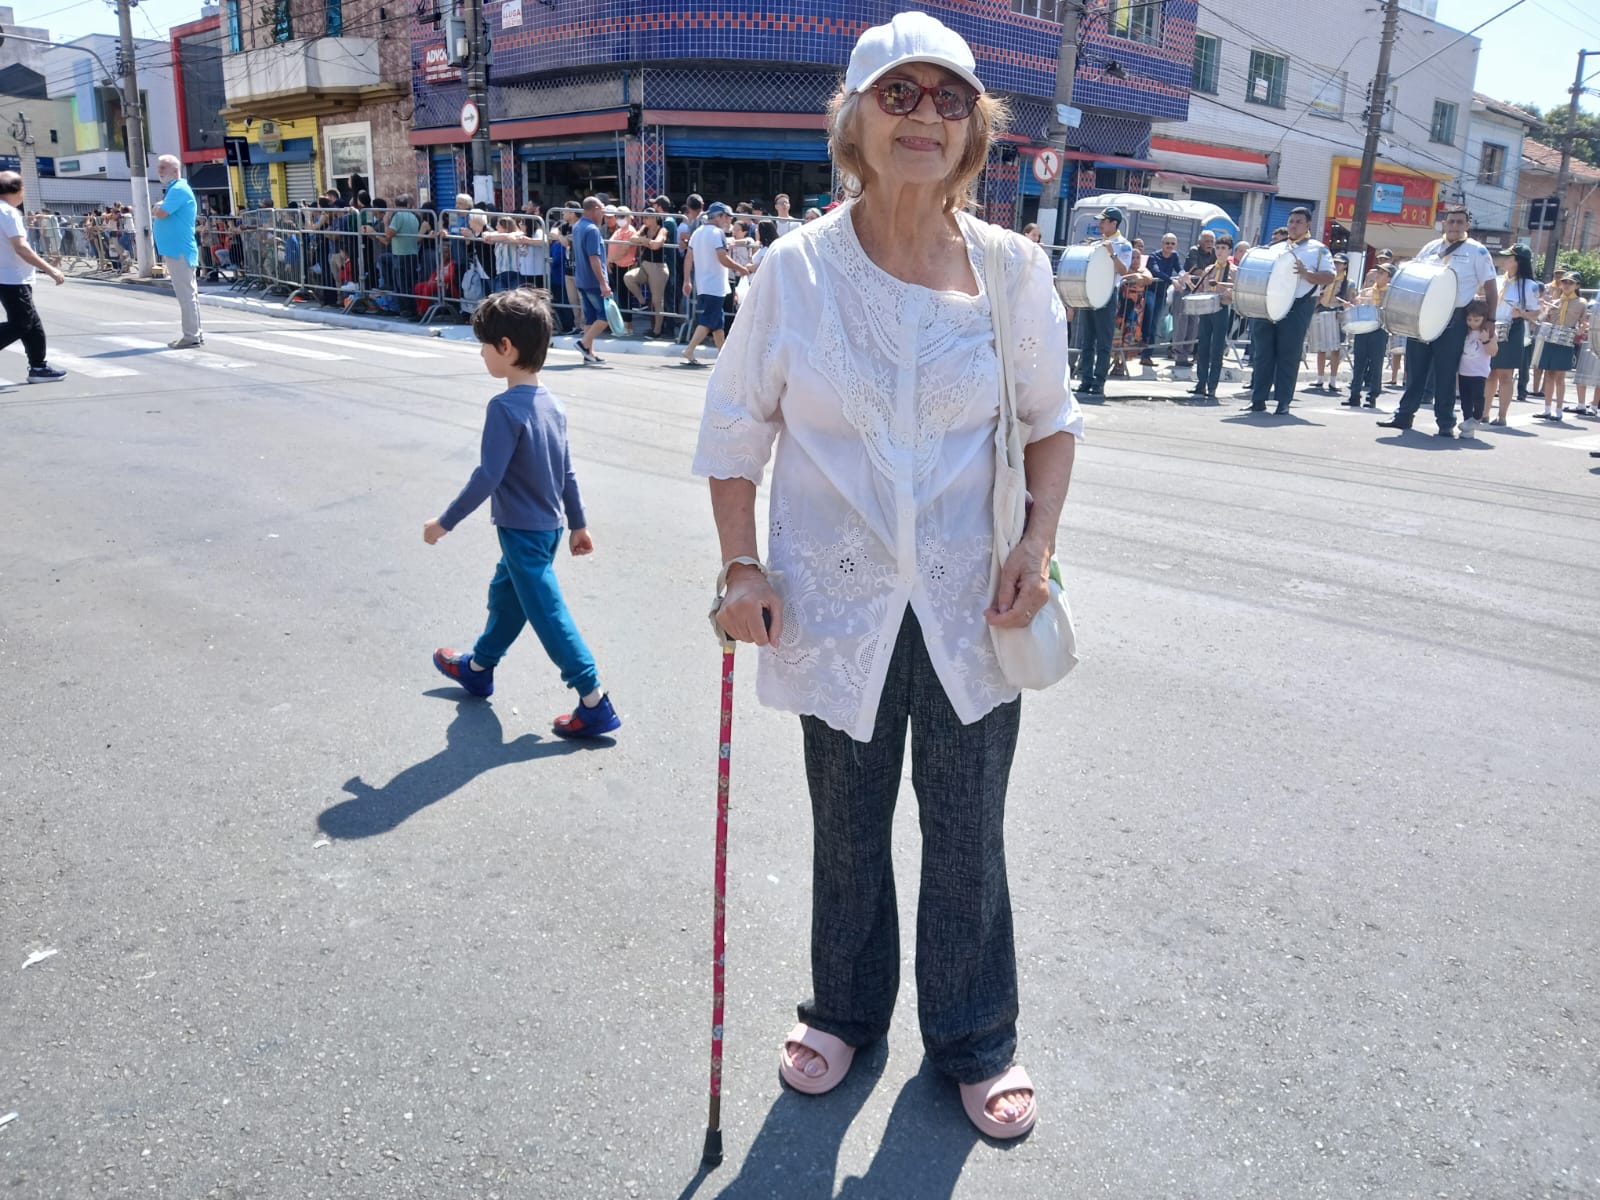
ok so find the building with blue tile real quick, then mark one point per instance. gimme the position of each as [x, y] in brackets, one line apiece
[640, 97]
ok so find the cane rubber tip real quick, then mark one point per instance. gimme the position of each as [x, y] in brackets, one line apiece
[712, 1157]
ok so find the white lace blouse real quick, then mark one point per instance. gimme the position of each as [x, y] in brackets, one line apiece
[886, 395]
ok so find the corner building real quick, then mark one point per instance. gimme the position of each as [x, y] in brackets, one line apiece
[639, 97]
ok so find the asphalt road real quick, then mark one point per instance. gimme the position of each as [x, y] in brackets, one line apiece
[1304, 854]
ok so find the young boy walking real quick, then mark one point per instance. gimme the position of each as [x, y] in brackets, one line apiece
[525, 472]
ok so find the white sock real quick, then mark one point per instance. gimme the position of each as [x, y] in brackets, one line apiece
[476, 666]
[594, 698]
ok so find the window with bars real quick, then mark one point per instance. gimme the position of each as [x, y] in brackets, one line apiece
[1268, 79]
[1207, 62]
[1492, 166]
[1137, 20]
[1443, 129]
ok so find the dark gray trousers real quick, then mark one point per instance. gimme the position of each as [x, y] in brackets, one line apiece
[966, 964]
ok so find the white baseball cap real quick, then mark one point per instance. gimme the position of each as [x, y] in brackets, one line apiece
[911, 37]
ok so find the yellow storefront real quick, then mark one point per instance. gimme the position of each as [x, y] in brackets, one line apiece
[283, 162]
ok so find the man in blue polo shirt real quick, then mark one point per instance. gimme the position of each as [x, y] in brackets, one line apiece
[589, 269]
[173, 226]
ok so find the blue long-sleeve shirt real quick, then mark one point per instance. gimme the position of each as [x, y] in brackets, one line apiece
[524, 469]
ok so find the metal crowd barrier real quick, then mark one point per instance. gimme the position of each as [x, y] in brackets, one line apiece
[346, 258]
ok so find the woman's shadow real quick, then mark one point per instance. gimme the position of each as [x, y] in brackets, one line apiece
[474, 743]
[795, 1155]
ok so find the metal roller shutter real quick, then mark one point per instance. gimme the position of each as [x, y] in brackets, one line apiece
[1278, 213]
[300, 181]
[442, 179]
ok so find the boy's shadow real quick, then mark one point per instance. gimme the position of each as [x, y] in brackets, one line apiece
[474, 743]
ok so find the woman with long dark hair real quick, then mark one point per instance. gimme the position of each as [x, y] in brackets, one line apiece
[1519, 305]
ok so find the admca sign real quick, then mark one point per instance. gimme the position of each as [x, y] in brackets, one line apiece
[1400, 196]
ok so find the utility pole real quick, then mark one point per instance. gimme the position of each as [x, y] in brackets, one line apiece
[478, 94]
[28, 156]
[1376, 103]
[1564, 174]
[1066, 69]
[138, 164]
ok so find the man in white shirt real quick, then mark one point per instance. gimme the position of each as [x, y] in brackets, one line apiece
[1433, 366]
[1276, 346]
[1098, 325]
[706, 269]
[18, 262]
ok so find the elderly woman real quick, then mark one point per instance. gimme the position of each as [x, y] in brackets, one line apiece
[866, 352]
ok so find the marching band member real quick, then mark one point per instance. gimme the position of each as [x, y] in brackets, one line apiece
[1518, 309]
[1332, 299]
[1213, 339]
[1588, 373]
[1099, 324]
[1564, 310]
[1278, 345]
[1438, 361]
[1367, 349]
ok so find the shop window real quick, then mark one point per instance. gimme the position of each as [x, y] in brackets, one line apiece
[1267, 80]
[1207, 61]
[1443, 129]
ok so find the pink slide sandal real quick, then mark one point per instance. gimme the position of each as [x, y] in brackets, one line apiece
[975, 1099]
[835, 1053]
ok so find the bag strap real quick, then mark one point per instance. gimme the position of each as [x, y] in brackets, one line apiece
[994, 278]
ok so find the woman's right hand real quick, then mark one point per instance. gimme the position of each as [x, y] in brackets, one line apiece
[748, 597]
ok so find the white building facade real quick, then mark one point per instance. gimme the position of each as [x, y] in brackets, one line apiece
[1277, 116]
[97, 171]
[1492, 165]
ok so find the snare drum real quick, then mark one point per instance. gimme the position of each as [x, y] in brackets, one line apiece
[1502, 331]
[1324, 337]
[1086, 277]
[1420, 301]
[1558, 335]
[1362, 318]
[1200, 304]
[1264, 284]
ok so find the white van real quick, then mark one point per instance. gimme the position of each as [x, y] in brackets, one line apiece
[1149, 217]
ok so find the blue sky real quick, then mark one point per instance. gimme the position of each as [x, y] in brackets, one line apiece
[1528, 55]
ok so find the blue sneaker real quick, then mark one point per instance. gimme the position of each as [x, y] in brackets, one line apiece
[458, 667]
[586, 722]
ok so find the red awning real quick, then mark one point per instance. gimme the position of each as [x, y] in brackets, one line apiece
[1222, 185]
[1112, 160]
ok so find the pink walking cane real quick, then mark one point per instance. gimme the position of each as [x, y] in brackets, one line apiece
[719, 912]
[712, 1155]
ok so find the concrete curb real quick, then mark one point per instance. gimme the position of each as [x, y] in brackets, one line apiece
[317, 314]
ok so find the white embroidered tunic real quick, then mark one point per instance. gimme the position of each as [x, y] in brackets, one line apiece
[886, 395]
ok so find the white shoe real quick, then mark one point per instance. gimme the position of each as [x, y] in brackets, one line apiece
[1469, 428]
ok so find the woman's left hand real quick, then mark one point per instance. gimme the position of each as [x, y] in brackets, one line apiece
[1024, 587]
